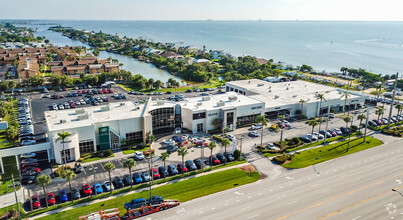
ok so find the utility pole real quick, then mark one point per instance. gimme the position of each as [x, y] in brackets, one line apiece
[366, 123]
[16, 198]
[240, 154]
[327, 123]
[393, 99]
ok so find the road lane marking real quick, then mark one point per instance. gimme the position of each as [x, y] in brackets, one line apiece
[359, 203]
[253, 216]
[292, 202]
[356, 218]
[337, 197]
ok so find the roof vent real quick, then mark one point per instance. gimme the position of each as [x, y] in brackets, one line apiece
[260, 84]
[63, 121]
[276, 97]
[106, 108]
[122, 104]
[199, 103]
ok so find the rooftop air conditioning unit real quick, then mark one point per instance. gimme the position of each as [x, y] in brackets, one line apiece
[276, 97]
[106, 108]
[199, 103]
[260, 84]
[83, 117]
[232, 98]
[220, 103]
[160, 102]
[80, 111]
[62, 121]
[206, 98]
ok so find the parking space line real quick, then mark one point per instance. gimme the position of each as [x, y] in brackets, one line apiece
[84, 171]
[120, 163]
[102, 166]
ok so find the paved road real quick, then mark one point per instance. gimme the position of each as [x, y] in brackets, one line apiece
[356, 186]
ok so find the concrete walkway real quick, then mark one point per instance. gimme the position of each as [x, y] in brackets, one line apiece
[131, 192]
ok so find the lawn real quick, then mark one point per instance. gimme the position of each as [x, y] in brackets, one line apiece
[131, 151]
[3, 140]
[183, 191]
[10, 167]
[96, 158]
[9, 208]
[328, 152]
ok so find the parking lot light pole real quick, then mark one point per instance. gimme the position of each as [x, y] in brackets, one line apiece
[94, 169]
[240, 154]
[366, 123]
[395, 190]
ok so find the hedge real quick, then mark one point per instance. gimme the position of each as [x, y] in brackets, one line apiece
[217, 138]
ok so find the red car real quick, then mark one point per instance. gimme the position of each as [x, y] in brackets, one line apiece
[182, 168]
[87, 189]
[25, 165]
[155, 173]
[36, 203]
[214, 160]
[100, 92]
[29, 169]
[51, 199]
[110, 90]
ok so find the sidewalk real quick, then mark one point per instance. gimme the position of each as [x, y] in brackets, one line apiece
[131, 192]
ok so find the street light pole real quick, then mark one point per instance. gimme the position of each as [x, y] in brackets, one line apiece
[240, 155]
[393, 99]
[366, 123]
[94, 169]
[16, 198]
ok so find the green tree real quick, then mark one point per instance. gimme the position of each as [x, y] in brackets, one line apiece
[361, 117]
[346, 96]
[129, 164]
[320, 97]
[69, 175]
[164, 157]
[12, 85]
[157, 84]
[109, 167]
[282, 119]
[12, 134]
[399, 108]
[225, 142]
[313, 123]
[3, 112]
[379, 112]
[62, 136]
[302, 102]
[211, 146]
[42, 181]
[347, 120]
[264, 121]
[183, 152]
[217, 123]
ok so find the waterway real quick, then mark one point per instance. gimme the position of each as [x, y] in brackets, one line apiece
[147, 70]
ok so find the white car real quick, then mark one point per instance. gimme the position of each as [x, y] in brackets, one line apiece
[28, 142]
[287, 124]
[254, 134]
[312, 137]
[168, 142]
[320, 136]
[108, 186]
[138, 155]
[257, 126]
[230, 137]
[185, 137]
[28, 155]
[270, 146]
[178, 130]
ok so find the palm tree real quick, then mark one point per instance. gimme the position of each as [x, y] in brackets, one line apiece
[164, 156]
[109, 167]
[42, 181]
[378, 90]
[264, 121]
[69, 175]
[129, 164]
[313, 123]
[3, 112]
[347, 120]
[399, 108]
[379, 112]
[225, 142]
[301, 101]
[183, 152]
[320, 97]
[62, 137]
[361, 117]
[12, 134]
[281, 118]
[345, 95]
[211, 146]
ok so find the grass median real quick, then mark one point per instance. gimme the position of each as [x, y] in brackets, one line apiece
[183, 191]
[328, 152]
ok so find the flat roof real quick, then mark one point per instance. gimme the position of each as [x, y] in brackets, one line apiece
[118, 111]
[286, 93]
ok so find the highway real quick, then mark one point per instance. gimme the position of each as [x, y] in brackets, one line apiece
[356, 186]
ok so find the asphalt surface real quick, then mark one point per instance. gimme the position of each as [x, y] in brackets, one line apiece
[357, 186]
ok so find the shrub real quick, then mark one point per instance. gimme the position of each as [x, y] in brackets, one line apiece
[280, 159]
[59, 170]
[354, 128]
[237, 154]
[102, 153]
[217, 138]
[296, 140]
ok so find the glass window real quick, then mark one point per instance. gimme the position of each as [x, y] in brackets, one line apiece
[134, 137]
[86, 146]
[199, 115]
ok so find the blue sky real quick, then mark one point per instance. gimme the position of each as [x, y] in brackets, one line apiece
[385, 10]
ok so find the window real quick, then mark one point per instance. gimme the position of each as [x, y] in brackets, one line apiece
[230, 118]
[199, 115]
[200, 127]
[163, 118]
[134, 137]
[248, 119]
[86, 146]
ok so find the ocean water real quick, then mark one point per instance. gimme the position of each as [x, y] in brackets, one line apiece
[374, 46]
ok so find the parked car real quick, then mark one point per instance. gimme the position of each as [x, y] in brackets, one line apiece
[29, 160]
[86, 189]
[328, 135]
[198, 163]
[231, 137]
[135, 203]
[287, 124]
[311, 137]
[27, 142]
[168, 142]
[36, 202]
[253, 134]
[162, 171]
[28, 155]
[138, 155]
[176, 138]
[117, 181]
[172, 149]
[78, 168]
[155, 200]
[25, 180]
[97, 188]
[178, 130]
[146, 176]
[155, 173]
[221, 158]
[320, 136]
[172, 170]
[214, 160]
[305, 139]
[371, 123]
[182, 168]
[63, 196]
[190, 165]
[338, 132]
[51, 198]
[344, 130]
[137, 178]
[257, 126]
[229, 156]
[31, 169]
[127, 180]
[108, 186]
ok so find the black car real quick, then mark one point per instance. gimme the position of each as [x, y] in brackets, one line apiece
[229, 156]
[198, 163]
[117, 182]
[305, 139]
[127, 180]
[172, 170]
[163, 172]
[155, 200]
[190, 165]
[189, 91]
[221, 158]
[344, 130]
[27, 180]
[169, 92]
[172, 149]
[78, 168]
[76, 193]
[371, 123]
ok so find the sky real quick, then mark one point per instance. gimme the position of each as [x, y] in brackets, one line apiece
[340, 10]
